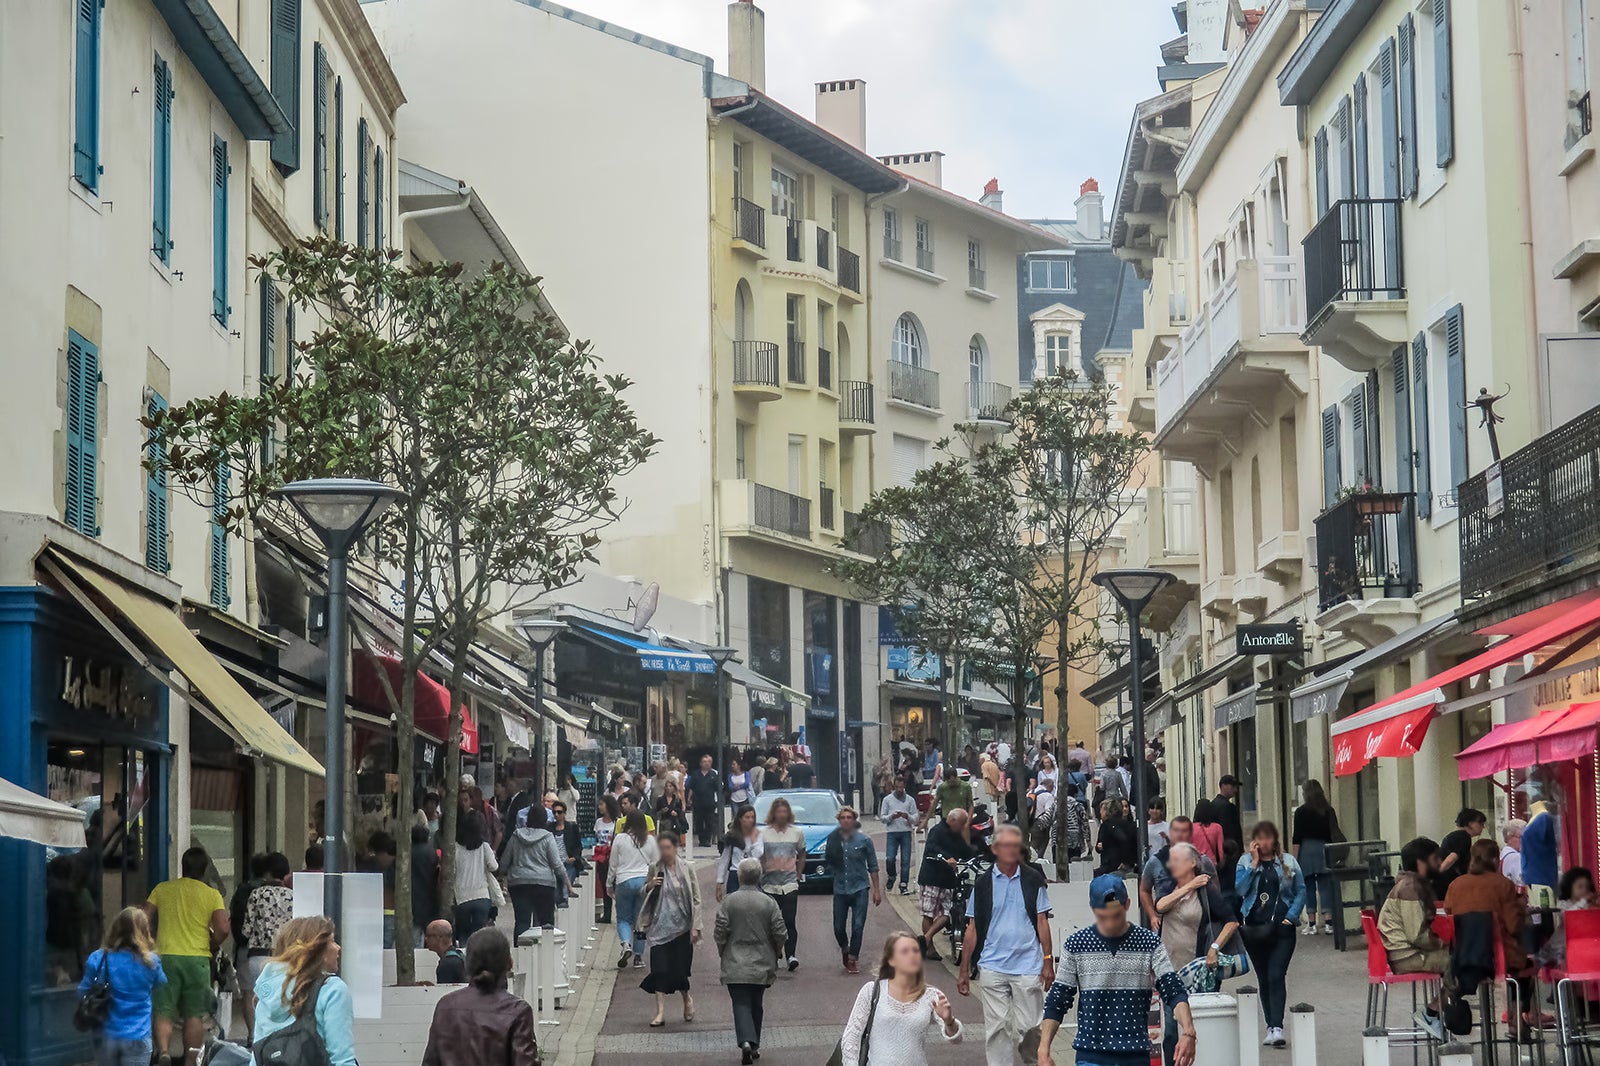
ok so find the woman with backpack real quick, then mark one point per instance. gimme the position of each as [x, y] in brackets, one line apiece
[483, 1024]
[304, 1014]
[1272, 893]
[121, 974]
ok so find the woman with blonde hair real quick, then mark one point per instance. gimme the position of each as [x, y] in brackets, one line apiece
[127, 964]
[890, 1019]
[304, 976]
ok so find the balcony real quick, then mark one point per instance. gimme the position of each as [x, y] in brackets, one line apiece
[987, 402]
[824, 248]
[1367, 549]
[1544, 525]
[1355, 283]
[793, 230]
[780, 512]
[1163, 534]
[1282, 557]
[849, 271]
[824, 369]
[866, 538]
[855, 408]
[914, 385]
[749, 227]
[797, 362]
[1216, 598]
[825, 507]
[755, 370]
[925, 259]
[1166, 314]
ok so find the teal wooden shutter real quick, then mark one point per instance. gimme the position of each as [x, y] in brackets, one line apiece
[1388, 129]
[269, 330]
[1407, 78]
[377, 198]
[1444, 83]
[1347, 159]
[219, 538]
[363, 158]
[1422, 429]
[1455, 362]
[155, 494]
[86, 95]
[1320, 157]
[285, 76]
[1358, 434]
[319, 135]
[1405, 457]
[161, 165]
[219, 230]
[83, 435]
[1331, 473]
[338, 159]
[288, 341]
[1359, 131]
[1374, 437]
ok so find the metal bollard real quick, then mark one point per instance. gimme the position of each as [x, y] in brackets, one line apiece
[1455, 1054]
[1249, 1027]
[1375, 1047]
[1303, 1035]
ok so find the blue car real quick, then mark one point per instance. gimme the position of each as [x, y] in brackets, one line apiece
[816, 812]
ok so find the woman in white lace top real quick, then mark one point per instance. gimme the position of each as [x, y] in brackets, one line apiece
[906, 1008]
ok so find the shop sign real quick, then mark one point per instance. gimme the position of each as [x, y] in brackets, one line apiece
[1495, 491]
[1281, 638]
[763, 698]
[105, 688]
[915, 664]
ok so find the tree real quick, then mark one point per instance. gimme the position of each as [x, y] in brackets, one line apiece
[505, 437]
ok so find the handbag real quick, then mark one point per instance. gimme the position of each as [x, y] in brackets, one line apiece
[837, 1058]
[94, 1006]
[1337, 856]
[1197, 975]
[497, 895]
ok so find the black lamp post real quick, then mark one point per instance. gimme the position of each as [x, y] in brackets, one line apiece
[722, 657]
[540, 633]
[1133, 590]
[338, 510]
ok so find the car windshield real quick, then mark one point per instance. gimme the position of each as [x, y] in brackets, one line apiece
[810, 808]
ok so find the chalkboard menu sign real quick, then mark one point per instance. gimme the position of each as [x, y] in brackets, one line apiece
[588, 804]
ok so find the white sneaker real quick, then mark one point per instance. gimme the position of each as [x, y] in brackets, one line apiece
[1271, 1039]
[1311, 929]
[1278, 1038]
[1327, 927]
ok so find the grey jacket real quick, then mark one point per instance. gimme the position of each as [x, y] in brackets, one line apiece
[750, 936]
[532, 859]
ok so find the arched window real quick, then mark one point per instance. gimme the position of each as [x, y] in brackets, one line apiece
[908, 345]
[742, 312]
[977, 359]
[843, 354]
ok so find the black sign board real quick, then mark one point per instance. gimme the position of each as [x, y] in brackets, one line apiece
[1281, 638]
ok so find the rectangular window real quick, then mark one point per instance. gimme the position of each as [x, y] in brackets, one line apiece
[285, 75]
[86, 95]
[155, 494]
[363, 201]
[1050, 275]
[1580, 117]
[83, 435]
[891, 234]
[924, 244]
[785, 194]
[319, 135]
[975, 278]
[338, 159]
[161, 164]
[738, 170]
[220, 597]
[1444, 84]
[769, 629]
[910, 456]
[1057, 352]
[741, 451]
[219, 230]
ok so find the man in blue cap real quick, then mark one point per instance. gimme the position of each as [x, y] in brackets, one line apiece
[1110, 969]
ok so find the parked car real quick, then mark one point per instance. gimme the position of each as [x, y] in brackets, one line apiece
[816, 812]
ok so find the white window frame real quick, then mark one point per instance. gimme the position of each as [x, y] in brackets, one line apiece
[908, 346]
[1057, 344]
[1050, 261]
[785, 193]
[977, 360]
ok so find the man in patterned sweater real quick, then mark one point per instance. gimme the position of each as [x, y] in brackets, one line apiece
[1110, 969]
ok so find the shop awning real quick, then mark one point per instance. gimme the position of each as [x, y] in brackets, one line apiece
[27, 815]
[987, 700]
[1322, 693]
[652, 656]
[1117, 682]
[1236, 708]
[1573, 736]
[220, 697]
[1211, 675]
[1512, 746]
[431, 710]
[1398, 736]
[1161, 715]
[913, 690]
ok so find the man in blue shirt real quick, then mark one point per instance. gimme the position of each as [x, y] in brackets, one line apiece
[853, 863]
[1007, 947]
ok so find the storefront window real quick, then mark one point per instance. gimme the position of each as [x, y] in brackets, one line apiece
[217, 823]
[1244, 766]
[912, 723]
[822, 642]
[769, 629]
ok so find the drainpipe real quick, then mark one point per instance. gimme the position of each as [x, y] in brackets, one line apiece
[1519, 120]
[431, 212]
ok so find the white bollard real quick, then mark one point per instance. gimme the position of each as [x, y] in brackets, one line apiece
[1216, 1028]
[561, 986]
[1249, 1039]
[1454, 1054]
[527, 974]
[544, 971]
[1303, 1034]
[1375, 1047]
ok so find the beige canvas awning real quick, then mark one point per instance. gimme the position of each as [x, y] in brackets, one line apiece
[26, 815]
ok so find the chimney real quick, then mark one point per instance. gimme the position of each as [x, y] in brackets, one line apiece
[924, 166]
[1091, 207]
[842, 110]
[991, 195]
[747, 44]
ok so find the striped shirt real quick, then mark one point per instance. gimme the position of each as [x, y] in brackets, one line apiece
[1112, 981]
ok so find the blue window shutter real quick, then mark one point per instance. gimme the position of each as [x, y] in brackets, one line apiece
[1358, 434]
[155, 492]
[377, 198]
[1331, 473]
[288, 341]
[219, 230]
[338, 158]
[219, 538]
[1320, 155]
[1455, 361]
[363, 157]
[319, 135]
[83, 435]
[1359, 135]
[161, 165]
[1347, 159]
[1444, 83]
[1388, 128]
[86, 95]
[1374, 437]
[285, 74]
[1422, 428]
[269, 330]
[1405, 480]
[1407, 78]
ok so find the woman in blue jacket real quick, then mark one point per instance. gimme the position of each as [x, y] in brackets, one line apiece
[302, 976]
[1272, 893]
[128, 963]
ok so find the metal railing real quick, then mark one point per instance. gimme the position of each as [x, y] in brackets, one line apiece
[1354, 253]
[797, 361]
[868, 538]
[825, 507]
[1367, 543]
[1547, 515]
[849, 270]
[987, 401]
[824, 248]
[913, 384]
[750, 222]
[793, 229]
[925, 259]
[1580, 119]
[755, 363]
[824, 368]
[780, 511]
[855, 402]
[892, 248]
[976, 276]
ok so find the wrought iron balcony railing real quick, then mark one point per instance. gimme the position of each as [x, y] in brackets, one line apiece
[892, 248]
[797, 361]
[913, 384]
[1354, 253]
[976, 276]
[793, 230]
[925, 259]
[780, 511]
[987, 401]
[755, 363]
[1367, 547]
[824, 368]
[855, 401]
[750, 222]
[825, 507]
[849, 270]
[868, 538]
[824, 248]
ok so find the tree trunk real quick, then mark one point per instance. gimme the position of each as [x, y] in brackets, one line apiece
[1063, 648]
[1019, 771]
[405, 768]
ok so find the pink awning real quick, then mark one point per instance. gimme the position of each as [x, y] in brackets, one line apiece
[1512, 746]
[1573, 737]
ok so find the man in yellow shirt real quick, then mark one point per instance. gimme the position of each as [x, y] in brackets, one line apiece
[191, 922]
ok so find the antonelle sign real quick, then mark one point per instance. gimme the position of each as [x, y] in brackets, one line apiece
[1276, 639]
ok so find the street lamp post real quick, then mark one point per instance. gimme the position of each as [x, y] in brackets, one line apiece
[1133, 590]
[540, 633]
[339, 511]
[722, 657]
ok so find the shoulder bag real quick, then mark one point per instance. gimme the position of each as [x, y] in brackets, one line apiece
[837, 1058]
[300, 1042]
[94, 1006]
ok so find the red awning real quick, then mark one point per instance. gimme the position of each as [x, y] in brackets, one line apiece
[1512, 746]
[1393, 737]
[432, 698]
[1573, 736]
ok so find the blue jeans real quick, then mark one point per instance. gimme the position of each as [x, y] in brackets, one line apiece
[630, 894]
[853, 904]
[123, 1052]
[896, 844]
[470, 917]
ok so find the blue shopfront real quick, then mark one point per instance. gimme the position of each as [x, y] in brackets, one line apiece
[85, 724]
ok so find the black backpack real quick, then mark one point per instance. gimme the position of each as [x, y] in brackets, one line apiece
[298, 1043]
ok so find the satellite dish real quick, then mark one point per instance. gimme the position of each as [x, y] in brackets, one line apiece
[645, 608]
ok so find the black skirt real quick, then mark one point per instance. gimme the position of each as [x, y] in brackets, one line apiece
[670, 964]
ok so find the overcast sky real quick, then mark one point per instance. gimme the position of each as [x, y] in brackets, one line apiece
[1037, 93]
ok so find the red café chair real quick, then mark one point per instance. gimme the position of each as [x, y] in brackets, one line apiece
[1583, 968]
[1380, 978]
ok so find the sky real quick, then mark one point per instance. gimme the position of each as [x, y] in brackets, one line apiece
[1037, 93]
